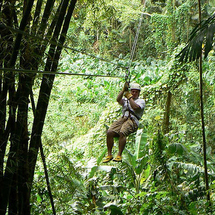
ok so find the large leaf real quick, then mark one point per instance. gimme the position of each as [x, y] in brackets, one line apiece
[204, 31]
[115, 210]
[131, 159]
[177, 148]
[140, 143]
[141, 164]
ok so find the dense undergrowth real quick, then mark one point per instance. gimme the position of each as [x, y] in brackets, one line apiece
[160, 174]
[163, 168]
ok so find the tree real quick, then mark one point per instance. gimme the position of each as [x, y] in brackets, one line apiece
[25, 47]
[193, 51]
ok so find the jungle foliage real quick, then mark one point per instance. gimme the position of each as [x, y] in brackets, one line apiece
[163, 169]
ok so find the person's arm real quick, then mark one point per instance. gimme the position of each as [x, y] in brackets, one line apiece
[121, 93]
[133, 104]
[119, 97]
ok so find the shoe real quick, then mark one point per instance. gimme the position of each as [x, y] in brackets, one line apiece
[108, 158]
[118, 158]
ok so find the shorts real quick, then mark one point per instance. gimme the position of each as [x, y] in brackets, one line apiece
[124, 125]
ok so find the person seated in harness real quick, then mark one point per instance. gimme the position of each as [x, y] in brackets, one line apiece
[132, 110]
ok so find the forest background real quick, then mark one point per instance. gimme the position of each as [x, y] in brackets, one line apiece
[163, 168]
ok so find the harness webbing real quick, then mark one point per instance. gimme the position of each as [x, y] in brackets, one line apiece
[131, 112]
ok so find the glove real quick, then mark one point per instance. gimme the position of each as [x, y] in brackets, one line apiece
[128, 95]
[126, 86]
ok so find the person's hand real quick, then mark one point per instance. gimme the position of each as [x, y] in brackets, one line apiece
[126, 86]
[128, 95]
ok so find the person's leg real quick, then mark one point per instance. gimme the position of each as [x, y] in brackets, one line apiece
[127, 128]
[122, 143]
[112, 132]
[110, 141]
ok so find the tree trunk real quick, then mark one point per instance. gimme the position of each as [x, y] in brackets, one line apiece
[167, 113]
[17, 177]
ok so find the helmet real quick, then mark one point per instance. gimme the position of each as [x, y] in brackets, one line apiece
[135, 86]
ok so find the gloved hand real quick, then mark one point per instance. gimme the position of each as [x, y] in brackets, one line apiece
[128, 95]
[126, 86]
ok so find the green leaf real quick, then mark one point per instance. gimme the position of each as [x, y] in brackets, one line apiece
[115, 210]
[142, 194]
[141, 163]
[140, 142]
[39, 199]
[177, 148]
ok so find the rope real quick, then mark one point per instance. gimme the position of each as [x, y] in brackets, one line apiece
[128, 75]
[56, 73]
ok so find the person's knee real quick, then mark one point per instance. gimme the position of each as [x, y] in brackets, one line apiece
[122, 135]
[110, 133]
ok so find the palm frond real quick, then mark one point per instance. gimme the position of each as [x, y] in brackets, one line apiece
[203, 32]
[209, 38]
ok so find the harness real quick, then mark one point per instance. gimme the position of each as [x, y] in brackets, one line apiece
[130, 112]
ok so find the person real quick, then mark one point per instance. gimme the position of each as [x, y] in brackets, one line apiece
[132, 110]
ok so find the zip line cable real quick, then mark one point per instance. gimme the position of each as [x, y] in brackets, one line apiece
[136, 39]
[57, 73]
[128, 75]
